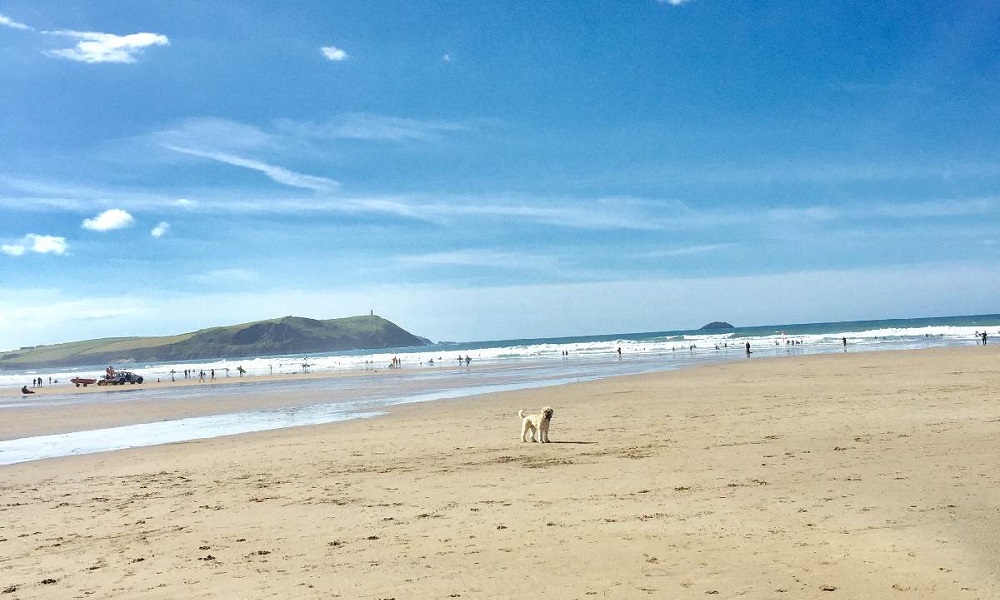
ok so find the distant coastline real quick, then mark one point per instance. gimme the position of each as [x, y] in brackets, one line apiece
[284, 335]
[663, 350]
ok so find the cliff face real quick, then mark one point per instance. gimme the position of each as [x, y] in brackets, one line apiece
[287, 335]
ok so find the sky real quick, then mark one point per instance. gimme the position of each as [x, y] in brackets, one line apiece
[495, 170]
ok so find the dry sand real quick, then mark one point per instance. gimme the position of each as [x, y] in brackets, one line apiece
[869, 475]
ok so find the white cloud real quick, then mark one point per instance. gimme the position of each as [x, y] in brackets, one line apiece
[278, 174]
[446, 58]
[39, 244]
[160, 229]
[108, 220]
[13, 249]
[47, 244]
[8, 22]
[185, 203]
[333, 53]
[673, 2]
[95, 47]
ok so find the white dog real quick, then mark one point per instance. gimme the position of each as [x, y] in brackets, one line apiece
[537, 425]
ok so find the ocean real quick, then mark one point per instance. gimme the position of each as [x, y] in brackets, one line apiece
[444, 371]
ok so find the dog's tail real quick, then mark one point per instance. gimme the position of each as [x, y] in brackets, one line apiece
[520, 413]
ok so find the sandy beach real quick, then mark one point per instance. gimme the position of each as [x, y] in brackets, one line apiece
[856, 475]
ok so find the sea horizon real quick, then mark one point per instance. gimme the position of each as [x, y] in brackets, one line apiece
[948, 329]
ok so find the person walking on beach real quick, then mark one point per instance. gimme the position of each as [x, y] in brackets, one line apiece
[201, 376]
[984, 338]
[748, 348]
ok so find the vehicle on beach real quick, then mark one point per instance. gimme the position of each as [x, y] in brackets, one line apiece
[84, 381]
[120, 378]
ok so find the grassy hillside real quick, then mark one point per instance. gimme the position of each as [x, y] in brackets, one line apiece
[285, 335]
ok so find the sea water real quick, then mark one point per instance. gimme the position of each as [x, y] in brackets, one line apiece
[368, 386]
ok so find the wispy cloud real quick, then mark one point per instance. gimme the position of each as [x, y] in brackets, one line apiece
[109, 220]
[213, 134]
[334, 53]
[276, 173]
[467, 258]
[8, 22]
[477, 258]
[40, 244]
[673, 2]
[95, 47]
[227, 276]
[700, 249]
[372, 127]
[160, 229]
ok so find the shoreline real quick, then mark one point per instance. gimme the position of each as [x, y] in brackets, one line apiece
[129, 404]
[123, 406]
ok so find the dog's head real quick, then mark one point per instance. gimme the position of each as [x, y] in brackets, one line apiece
[547, 413]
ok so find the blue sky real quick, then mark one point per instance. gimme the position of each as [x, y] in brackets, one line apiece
[477, 170]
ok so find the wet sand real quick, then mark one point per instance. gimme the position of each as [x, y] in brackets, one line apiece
[869, 475]
[122, 405]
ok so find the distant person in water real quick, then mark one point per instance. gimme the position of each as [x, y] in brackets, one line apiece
[748, 348]
[845, 342]
[984, 338]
